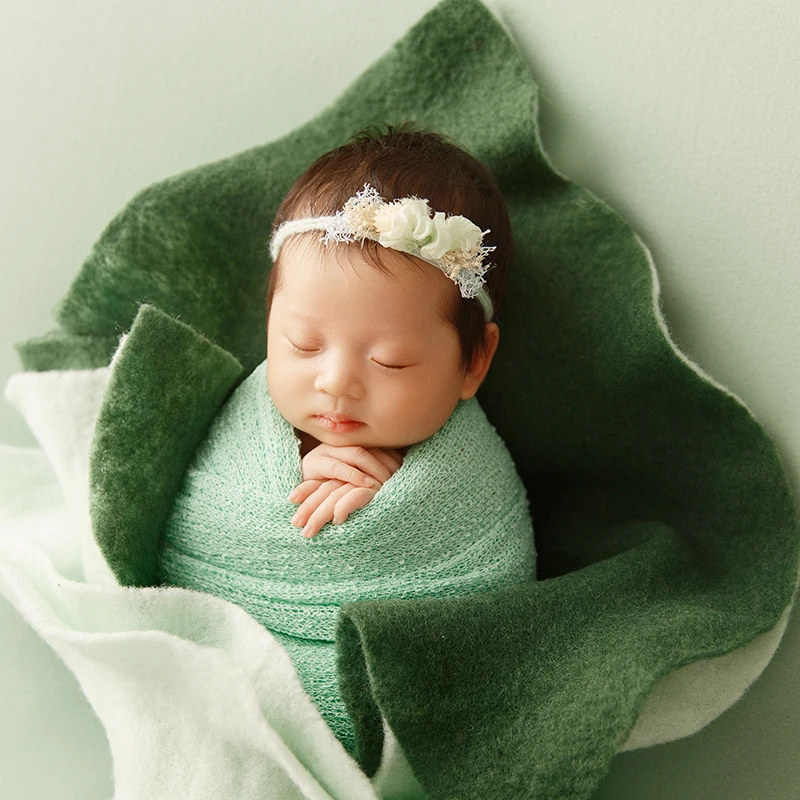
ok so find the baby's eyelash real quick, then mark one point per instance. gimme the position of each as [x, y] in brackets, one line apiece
[387, 366]
[299, 350]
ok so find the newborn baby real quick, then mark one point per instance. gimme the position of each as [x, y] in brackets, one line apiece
[380, 331]
[363, 365]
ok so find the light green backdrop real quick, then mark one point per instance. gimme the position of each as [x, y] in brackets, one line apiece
[683, 115]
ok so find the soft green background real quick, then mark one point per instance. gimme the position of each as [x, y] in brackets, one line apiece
[683, 115]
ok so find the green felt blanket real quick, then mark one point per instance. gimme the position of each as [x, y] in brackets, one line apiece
[229, 531]
[665, 529]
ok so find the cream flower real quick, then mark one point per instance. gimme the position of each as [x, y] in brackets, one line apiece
[451, 233]
[407, 225]
[404, 224]
[453, 244]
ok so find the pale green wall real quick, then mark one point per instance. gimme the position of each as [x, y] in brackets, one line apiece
[683, 115]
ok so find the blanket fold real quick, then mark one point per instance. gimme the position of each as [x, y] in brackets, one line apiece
[167, 384]
[666, 531]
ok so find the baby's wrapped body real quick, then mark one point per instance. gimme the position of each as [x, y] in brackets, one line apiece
[453, 520]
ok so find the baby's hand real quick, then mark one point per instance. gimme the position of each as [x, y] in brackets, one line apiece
[328, 499]
[355, 465]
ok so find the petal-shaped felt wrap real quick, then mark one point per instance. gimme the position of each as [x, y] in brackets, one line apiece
[665, 528]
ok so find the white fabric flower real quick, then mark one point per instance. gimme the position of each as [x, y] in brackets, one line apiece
[451, 233]
[404, 224]
[452, 244]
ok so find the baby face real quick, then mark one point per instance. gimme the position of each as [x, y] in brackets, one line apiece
[358, 357]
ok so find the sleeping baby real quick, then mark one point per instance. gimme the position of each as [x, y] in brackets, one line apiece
[361, 427]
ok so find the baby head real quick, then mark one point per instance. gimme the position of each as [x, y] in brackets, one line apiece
[368, 344]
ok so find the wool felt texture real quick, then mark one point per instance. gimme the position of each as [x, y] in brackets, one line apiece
[137, 422]
[229, 532]
[665, 529]
[52, 558]
[193, 695]
[195, 698]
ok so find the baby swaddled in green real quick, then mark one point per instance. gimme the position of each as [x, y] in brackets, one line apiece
[453, 520]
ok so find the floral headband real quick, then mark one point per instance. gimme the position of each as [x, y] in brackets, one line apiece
[452, 244]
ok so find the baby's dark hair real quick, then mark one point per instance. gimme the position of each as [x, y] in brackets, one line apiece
[404, 162]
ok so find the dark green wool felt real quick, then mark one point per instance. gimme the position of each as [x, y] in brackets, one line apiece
[665, 527]
[167, 384]
[61, 350]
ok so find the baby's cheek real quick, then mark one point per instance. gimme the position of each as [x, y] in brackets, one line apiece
[406, 423]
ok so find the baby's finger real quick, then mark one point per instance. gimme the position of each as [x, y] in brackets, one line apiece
[304, 490]
[354, 465]
[324, 512]
[391, 459]
[313, 501]
[348, 503]
[358, 457]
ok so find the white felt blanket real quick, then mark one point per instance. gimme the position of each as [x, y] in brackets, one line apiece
[196, 699]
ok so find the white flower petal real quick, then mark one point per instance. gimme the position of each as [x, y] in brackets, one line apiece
[404, 224]
[442, 240]
[465, 235]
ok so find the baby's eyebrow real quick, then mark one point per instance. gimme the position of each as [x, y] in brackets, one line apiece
[300, 315]
[393, 338]
[399, 336]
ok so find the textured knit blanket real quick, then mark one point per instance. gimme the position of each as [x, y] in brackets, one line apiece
[666, 532]
[452, 521]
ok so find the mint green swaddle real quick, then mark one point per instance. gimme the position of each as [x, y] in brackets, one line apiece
[229, 531]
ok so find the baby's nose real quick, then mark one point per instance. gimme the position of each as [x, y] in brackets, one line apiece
[339, 380]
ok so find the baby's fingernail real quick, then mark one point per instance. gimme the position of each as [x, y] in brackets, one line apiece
[370, 483]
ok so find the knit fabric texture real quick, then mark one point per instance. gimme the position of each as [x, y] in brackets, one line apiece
[229, 532]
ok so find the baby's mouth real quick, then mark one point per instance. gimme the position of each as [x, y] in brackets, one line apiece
[337, 423]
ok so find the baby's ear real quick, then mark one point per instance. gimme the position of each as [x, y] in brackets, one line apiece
[481, 361]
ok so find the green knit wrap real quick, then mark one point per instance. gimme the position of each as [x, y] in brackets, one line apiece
[229, 531]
